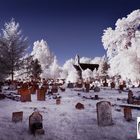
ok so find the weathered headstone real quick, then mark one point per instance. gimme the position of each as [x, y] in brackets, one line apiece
[121, 87]
[112, 85]
[127, 114]
[25, 95]
[130, 97]
[96, 97]
[70, 85]
[96, 89]
[41, 94]
[58, 101]
[87, 87]
[79, 106]
[104, 113]
[35, 123]
[17, 116]
[54, 89]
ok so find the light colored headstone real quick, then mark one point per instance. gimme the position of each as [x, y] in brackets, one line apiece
[104, 113]
[17, 116]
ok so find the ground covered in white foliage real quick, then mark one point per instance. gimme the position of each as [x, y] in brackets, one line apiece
[64, 122]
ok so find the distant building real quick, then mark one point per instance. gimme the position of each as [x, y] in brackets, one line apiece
[83, 66]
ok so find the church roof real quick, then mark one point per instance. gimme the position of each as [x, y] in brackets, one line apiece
[86, 66]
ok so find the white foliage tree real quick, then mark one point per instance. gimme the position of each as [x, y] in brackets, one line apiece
[42, 52]
[87, 74]
[123, 49]
[55, 69]
[13, 47]
[68, 71]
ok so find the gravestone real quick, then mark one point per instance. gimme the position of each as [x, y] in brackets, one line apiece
[58, 101]
[121, 87]
[96, 89]
[17, 116]
[96, 97]
[70, 85]
[87, 87]
[130, 97]
[41, 94]
[25, 95]
[79, 106]
[104, 114]
[35, 123]
[54, 89]
[112, 85]
[127, 114]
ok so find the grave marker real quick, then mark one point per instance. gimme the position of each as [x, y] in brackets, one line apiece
[104, 114]
[41, 94]
[17, 116]
[127, 113]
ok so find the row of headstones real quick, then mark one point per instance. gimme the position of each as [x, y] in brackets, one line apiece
[87, 86]
[104, 113]
[104, 116]
[35, 121]
[25, 94]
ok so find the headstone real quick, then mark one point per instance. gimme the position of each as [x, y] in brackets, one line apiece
[25, 95]
[96, 97]
[127, 114]
[87, 87]
[104, 114]
[96, 89]
[79, 106]
[2, 96]
[35, 123]
[112, 85]
[58, 101]
[121, 87]
[17, 116]
[54, 89]
[130, 97]
[70, 85]
[41, 94]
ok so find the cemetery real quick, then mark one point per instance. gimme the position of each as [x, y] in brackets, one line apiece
[48, 91]
[68, 114]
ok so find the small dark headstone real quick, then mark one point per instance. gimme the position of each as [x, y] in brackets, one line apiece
[70, 85]
[96, 97]
[127, 114]
[2, 96]
[87, 87]
[130, 97]
[79, 106]
[121, 87]
[96, 89]
[17, 116]
[58, 101]
[112, 85]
